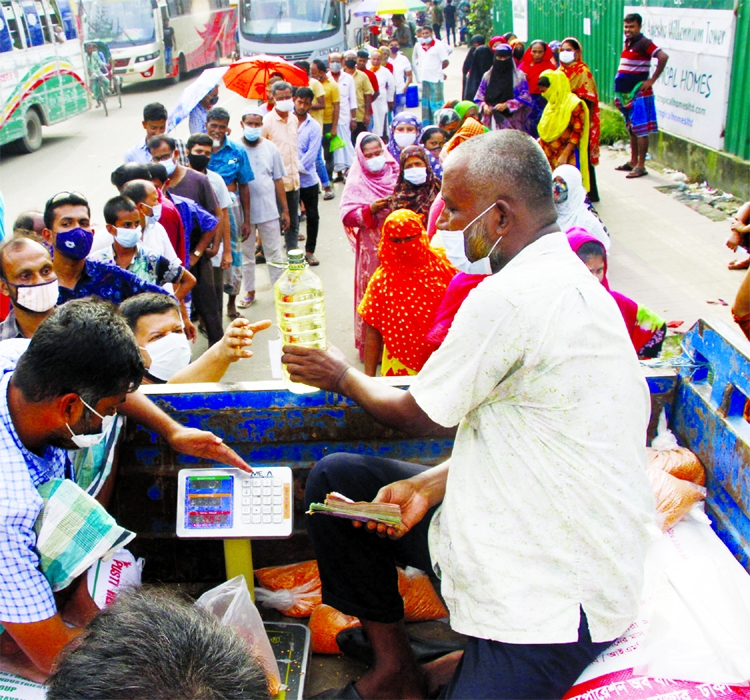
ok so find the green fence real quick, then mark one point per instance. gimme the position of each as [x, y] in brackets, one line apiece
[597, 24]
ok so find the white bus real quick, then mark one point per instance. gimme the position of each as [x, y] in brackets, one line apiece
[204, 31]
[293, 29]
[42, 70]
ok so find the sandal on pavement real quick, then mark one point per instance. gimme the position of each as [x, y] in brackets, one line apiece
[636, 172]
[625, 167]
[739, 264]
[234, 315]
[312, 261]
[246, 301]
[329, 195]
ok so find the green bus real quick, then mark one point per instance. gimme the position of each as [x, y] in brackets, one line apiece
[42, 70]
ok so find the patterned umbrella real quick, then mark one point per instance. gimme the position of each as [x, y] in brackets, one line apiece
[249, 76]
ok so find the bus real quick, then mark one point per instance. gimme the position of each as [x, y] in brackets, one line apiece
[204, 32]
[293, 29]
[42, 70]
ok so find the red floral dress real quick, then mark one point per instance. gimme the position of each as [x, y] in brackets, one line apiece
[571, 135]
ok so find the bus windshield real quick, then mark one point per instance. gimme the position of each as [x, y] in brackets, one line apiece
[119, 23]
[284, 21]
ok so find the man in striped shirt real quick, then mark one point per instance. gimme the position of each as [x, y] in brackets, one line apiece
[634, 94]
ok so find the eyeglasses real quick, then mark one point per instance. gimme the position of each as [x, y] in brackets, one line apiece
[161, 159]
[66, 195]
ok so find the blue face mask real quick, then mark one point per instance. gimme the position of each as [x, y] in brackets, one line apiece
[75, 244]
[252, 133]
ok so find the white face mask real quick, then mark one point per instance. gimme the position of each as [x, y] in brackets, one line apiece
[417, 176]
[37, 297]
[169, 165]
[376, 164]
[168, 355]
[252, 133]
[128, 237]
[425, 40]
[285, 105]
[84, 441]
[155, 215]
[567, 56]
[455, 249]
[335, 67]
[404, 138]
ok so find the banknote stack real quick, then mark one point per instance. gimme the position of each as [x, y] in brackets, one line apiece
[342, 507]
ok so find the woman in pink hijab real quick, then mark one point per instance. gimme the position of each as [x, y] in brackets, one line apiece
[371, 180]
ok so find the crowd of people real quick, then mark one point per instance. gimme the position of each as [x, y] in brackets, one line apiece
[480, 267]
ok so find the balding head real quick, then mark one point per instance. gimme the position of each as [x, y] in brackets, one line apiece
[503, 180]
[28, 222]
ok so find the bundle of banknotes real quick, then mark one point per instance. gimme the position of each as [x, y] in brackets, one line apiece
[342, 507]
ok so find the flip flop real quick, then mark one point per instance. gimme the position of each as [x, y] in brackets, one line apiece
[739, 264]
[625, 167]
[636, 172]
[235, 315]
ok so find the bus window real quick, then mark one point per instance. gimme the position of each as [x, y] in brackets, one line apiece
[12, 22]
[6, 41]
[178, 8]
[45, 16]
[33, 27]
[65, 15]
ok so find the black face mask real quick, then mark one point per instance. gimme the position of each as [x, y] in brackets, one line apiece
[518, 52]
[198, 161]
[350, 63]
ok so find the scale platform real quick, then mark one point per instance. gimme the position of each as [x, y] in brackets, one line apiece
[290, 642]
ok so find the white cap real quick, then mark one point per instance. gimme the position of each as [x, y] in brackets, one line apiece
[257, 110]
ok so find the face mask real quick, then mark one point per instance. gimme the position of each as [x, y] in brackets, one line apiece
[84, 441]
[168, 355]
[518, 53]
[36, 297]
[417, 176]
[425, 40]
[560, 192]
[75, 243]
[404, 139]
[285, 105]
[455, 250]
[394, 50]
[376, 164]
[252, 133]
[335, 67]
[567, 56]
[128, 237]
[169, 165]
[155, 215]
[350, 63]
[198, 161]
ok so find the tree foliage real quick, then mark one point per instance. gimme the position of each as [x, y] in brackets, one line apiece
[480, 18]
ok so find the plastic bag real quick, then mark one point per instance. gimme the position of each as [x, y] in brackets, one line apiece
[291, 576]
[299, 601]
[106, 579]
[666, 454]
[325, 623]
[232, 604]
[674, 497]
[420, 600]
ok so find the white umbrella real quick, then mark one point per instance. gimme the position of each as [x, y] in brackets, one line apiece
[367, 7]
[193, 94]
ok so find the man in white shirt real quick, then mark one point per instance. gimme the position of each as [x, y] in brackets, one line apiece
[402, 75]
[344, 157]
[430, 60]
[387, 89]
[538, 524]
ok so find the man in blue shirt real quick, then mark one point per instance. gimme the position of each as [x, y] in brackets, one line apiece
[155, 124]
[68, 230]
[230, 161]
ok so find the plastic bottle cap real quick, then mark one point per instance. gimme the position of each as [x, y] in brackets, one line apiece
[297, 258]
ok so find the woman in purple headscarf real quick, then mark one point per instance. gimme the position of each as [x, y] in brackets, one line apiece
[405, 130]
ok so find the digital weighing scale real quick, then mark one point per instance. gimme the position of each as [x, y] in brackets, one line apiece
[290, 642]
[225, 503]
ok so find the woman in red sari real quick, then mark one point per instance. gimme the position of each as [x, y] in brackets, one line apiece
[583, 85]
[538, 58]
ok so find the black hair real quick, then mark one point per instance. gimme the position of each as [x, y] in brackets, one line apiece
[154, 112]
[319, 65]
[146, 304]
[153, 644]
[217, 114]
[543, 81]
[157, 141]
[136, 190]
[304, 65]
[591, 249]
[24, 221]
[62, 200]
[634, 17]
[198, 140]
[363, 54]
[83, 348]
[573, 42]
[539, 41]
[478, 39]
[14, 244]
[114, 206]
[368, 139]
[129, 171]
[305, 93]
[429, 132]
[156, 171]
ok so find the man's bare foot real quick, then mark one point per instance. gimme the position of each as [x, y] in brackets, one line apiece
[406, 683]
[739, 264]
[440, 671]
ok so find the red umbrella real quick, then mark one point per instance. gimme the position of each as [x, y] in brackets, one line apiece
[249, 76]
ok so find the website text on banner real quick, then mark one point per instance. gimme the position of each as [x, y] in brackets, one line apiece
[693, 91]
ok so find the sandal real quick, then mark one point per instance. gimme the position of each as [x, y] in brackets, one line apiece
[625, 167]
[234, 315]
[636, 172]
[246, 301]
[739, 264]
[312, 261]
[329, 195]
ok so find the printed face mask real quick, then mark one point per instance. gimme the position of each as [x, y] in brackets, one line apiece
[75, 243]
[376, 164]
[128, 237]
[36, 298]
[404, 139]
[417, 176]
[84, 441]
[168, 355]
[559, 192]
[455, 249]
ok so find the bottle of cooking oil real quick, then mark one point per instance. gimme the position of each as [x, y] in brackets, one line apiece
[300, 311]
